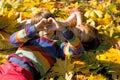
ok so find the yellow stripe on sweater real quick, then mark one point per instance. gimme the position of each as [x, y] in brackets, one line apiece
[21, 36]
[75, 44]
[42, 59]
[66, 50]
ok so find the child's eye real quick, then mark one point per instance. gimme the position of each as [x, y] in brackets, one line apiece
[49, 25]
[80, 31]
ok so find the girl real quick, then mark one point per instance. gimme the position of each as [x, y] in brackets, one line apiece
[37, 50]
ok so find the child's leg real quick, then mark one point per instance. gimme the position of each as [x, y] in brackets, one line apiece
[11, 71]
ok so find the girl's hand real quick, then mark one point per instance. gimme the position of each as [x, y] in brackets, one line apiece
[40, 25]
[56, 25]
[47, 25]
[52, 24]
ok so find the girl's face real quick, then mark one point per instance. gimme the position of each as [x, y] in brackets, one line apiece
[47, 32]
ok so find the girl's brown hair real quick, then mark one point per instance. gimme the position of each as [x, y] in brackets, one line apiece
[42, 14]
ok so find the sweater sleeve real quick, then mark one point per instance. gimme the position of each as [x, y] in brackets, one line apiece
[20, 37]
[74, 45]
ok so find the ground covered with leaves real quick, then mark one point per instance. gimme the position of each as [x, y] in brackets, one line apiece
[102, 63]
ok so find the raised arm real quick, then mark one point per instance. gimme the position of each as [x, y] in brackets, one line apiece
[20, 37]
[75, 18]
[71, 20]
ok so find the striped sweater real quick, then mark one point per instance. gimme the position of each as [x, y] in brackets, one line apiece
[41, 51]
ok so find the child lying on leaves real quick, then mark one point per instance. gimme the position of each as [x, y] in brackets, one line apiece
[37, 50]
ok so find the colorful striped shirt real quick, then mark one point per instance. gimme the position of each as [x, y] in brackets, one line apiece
[41, 51]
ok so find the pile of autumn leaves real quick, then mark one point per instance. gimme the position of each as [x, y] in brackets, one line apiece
[102, 63]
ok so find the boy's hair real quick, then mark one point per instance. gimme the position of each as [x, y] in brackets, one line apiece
[42, 14]
[89, 37]
[93, 38]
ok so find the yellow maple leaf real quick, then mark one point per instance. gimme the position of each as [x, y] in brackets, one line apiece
[107, 17]
[78, 63]
[61, 67]
[118, 1]
[93, 3]
[104, 21]
[3, 58]
[97, 77]
[100, 7]
[112, 55]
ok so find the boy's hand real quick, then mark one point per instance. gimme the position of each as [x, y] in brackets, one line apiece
[75, 9]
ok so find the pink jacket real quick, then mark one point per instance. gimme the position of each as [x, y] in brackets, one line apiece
[11, 71]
